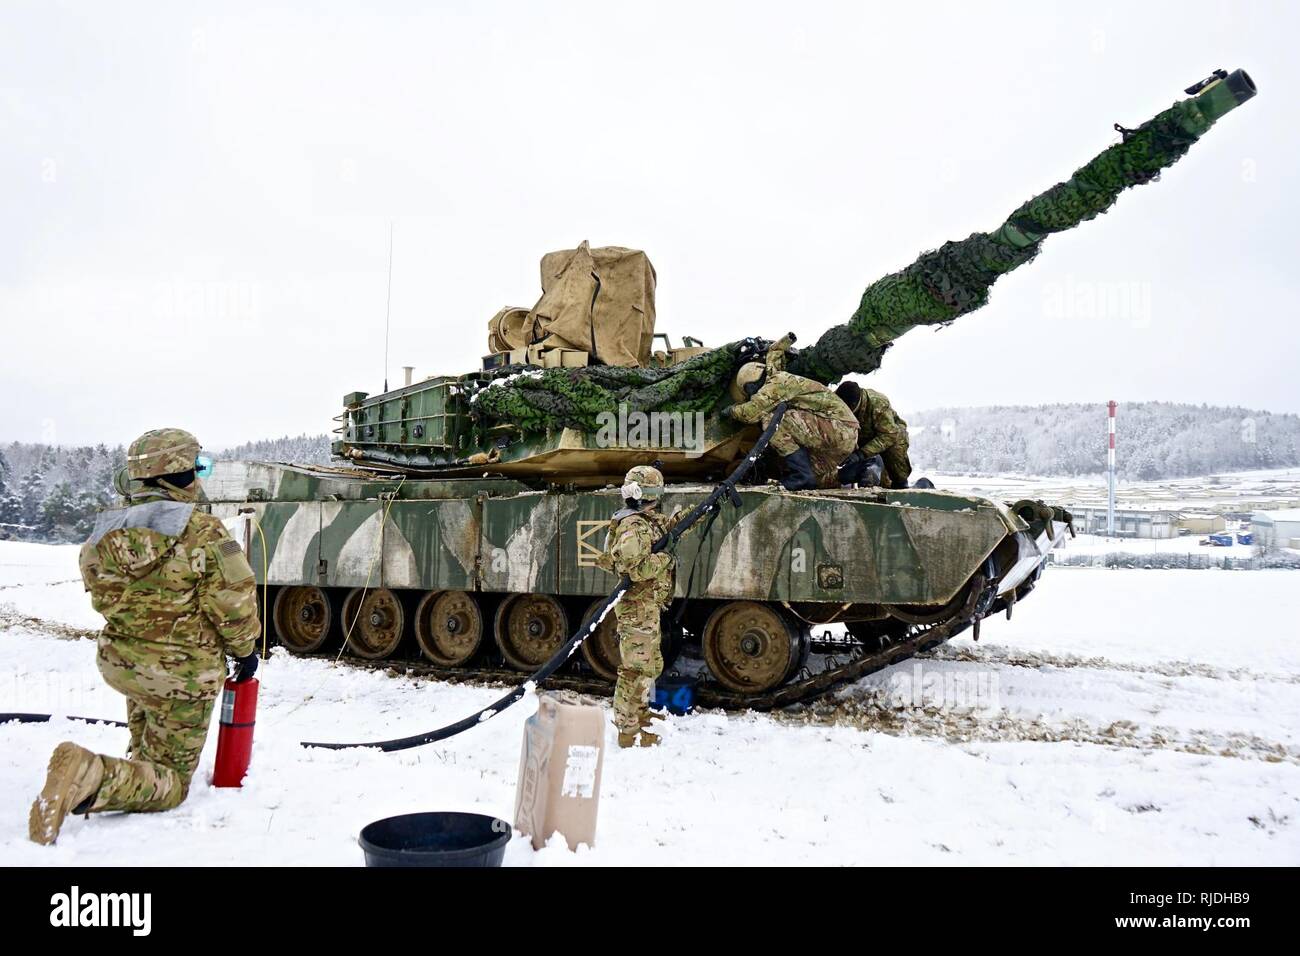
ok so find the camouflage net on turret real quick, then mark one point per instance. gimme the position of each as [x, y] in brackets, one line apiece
[541, 399]
[939, 286]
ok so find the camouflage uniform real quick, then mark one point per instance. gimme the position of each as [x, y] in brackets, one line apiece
[628, 543]
[816, 418]
[178, 596]
[881, 432]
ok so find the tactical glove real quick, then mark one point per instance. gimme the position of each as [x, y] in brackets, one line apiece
[245, 667]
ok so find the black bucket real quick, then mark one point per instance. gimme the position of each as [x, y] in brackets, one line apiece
[435, 839]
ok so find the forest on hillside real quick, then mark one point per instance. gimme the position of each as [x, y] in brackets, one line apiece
[1154, 440]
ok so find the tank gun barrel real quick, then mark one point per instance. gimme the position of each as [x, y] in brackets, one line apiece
[955, 278]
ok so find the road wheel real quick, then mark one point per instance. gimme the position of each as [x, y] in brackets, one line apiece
[449, 627]
[600, 650]
[751, 647]
[302, 617]
[529, 629]
[376, 619]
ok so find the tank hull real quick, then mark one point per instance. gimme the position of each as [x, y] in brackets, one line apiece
[488, 577]
[335, 528]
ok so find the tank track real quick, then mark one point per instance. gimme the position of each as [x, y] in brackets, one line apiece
[862, 661]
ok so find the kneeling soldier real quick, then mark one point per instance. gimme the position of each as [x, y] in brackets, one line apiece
[178, 597]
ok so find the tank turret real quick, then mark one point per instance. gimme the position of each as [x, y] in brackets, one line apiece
[568, 393]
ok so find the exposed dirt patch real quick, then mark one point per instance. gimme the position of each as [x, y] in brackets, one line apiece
[961, 726]
[10, 617]
[1011, 657]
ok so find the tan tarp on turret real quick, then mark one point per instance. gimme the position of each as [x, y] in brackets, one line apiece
[600, 301]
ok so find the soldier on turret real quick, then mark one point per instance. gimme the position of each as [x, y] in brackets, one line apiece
[818, 430]
[880, 432]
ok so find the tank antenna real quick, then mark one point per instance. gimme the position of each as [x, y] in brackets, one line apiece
[388, 305]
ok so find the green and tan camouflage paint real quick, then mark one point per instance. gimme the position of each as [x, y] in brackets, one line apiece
[866, 546]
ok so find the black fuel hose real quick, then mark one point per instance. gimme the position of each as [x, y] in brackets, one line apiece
[44, 718]
[726, 489]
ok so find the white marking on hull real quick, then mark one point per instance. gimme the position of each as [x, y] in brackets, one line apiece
[526, 550]
[742, 568]
[291, 549]
[400, 570]
[355, 557]
[457, 532]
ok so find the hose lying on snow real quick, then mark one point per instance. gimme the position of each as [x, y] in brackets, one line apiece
[44, 718]
[727, 488]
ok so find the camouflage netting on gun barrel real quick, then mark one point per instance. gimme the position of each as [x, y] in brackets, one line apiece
[938, 287]
[955, 278]
[574, 397]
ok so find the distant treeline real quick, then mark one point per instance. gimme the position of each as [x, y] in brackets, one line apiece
[1155, 440]
[302, 450]
[51, 493]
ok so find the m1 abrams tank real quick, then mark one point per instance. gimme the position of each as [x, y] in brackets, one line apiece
[462, 531]
[487, 577]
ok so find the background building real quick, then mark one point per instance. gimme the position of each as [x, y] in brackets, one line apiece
[1276, 529]
[1129, 522]
[1201, 522]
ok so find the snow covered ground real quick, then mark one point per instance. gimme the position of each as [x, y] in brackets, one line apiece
[1121, 717]
[1261, 490]
[1098, 544]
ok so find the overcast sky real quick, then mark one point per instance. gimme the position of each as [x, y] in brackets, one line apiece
[197, 203]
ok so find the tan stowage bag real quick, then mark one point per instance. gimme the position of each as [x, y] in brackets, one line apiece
[559, 773]
[598, 301]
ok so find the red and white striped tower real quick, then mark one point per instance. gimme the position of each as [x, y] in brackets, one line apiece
[1110, 471]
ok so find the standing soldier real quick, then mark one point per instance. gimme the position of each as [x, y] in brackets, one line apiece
[817, 432]
[178, 597]
[632, 533]
[881, 432]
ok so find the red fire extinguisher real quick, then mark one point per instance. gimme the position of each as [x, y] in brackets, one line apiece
[235, 738]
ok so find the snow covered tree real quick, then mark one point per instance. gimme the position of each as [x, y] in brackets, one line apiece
[31, 495]
[59, 514]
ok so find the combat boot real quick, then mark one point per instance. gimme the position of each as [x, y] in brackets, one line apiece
[71, 783]
[637, 738]
[798, 471]
[647, 737]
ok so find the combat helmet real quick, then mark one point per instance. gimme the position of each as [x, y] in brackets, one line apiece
[161, 451]
[750, 373]
[643, 483]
